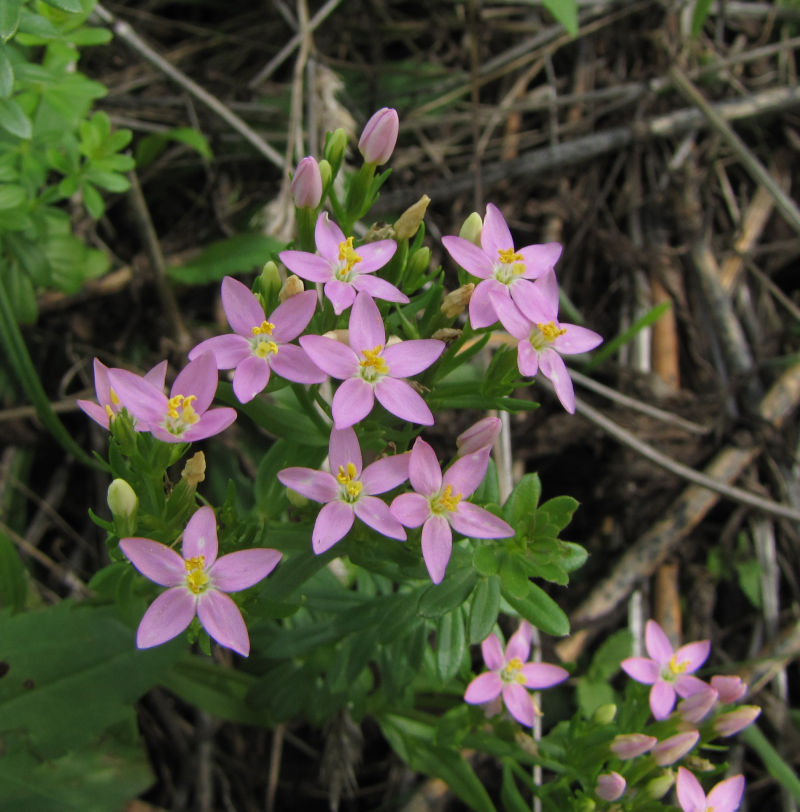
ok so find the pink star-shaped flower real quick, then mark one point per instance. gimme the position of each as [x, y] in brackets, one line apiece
[724, 797]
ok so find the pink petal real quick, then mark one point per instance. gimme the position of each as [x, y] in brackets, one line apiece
[212, 422]
[139, 397]
[511, 317]
[341, 294]
[95, 411]
[200, 536]
[308, 266]
[293, 364]
[477, 523]
[437, 543]
[548, 290]
[157, 375]
[690, 794]
[576, 339]
[543, 675]
[423, 469]
[695, 654]
[155, 561]
[379, 288]
[333, 523]
[292, 316]
[729, 688]
[657, 643]
[366, 324]
[411, 509]
[327, 236]
[411, 357]
[727, 795]
[479, 435]
[317, 485]
[166, 617]
[352, 402]
[385, 474]
[519, 646]
[241, 306]
[228, 350]
[243, 568]
[540, 258]
[484, 688]
[492, 650]
[519, 703]
[482, 310]
[531, 301]
[662, 699]
[343, 449]
[642, 669]
[471, 258]
[101, 382]
[674, 748]
[687, 685]
[696, 707]
[223, 621]
[527, 359]
[250, 378]
[466, 473]
[376, 514]
[198, 378]
[496, 235]
[400, 399]
[554, 368]
[375, 255]
[331, 356]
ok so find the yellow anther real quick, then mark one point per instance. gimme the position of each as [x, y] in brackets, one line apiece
[347, 254]
[348, 476]
[263, 329]
[194, 564]
[196, 576]
[180, 408]
[518, 268]
[446, 501]
[373, 360]
[110, 412]
[113, 396]
[550, 331]
[265, 348]
[512, 672]
[677, 667]
[508, 255]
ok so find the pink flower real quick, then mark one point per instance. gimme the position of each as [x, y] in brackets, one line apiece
[674, 748]
[370, 369]
[668, 671]
[511, 674]
[610, 786]
[724, 797]
[479, 435]
[504, 270]
[439, 504]
[532, 318]
[729, 687]
[198, 581]
[343, 269]
[350, 492]
[631, 745]
[732, 722]
[307, 184]
[379, 136]
[697, 706]
[184, 417]
[259, 344]
[108, 402]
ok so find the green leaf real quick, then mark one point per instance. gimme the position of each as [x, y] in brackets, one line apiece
[21, 295]
[700, 15]
[439, 599]
[610, 348]
[9, 18]
[485, 559]
[514, 576]
[93, 200]
[539, 609]
[151, 146]
[110, 181]
[13, 582]
[451, 644]
[11, 196]
[557, 511]
[566, 12]
[237, 254]
[6, 73]
[14, 120]
[520, 507]
[73, 6]
[510, 794]
[484, 608]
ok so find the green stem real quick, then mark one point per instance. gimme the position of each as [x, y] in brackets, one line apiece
[22, 365]
[775, 765]
[307, 402]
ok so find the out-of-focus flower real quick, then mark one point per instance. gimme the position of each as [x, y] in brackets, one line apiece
[724, 797]
[307, 184]
[379, 136]
[667, 670]
[532, 318]
[349, 491]
[503, 269]
[198, 582]
[260, 344]
[729, 687]
[439, 504]
[370, 369]
[697, 706]
[184, 416]
[343, 269]
[610, 786]
[730, 723]
[482, 434]
[631, 745]
[512, 676]
[674, 748]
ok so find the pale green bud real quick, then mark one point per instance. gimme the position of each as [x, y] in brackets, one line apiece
[409, 221]
[420, 262]
[335, 145]
[122, 499]
[605, 714]
[326, 173]
[296, 499]
[472, 228]
[270, 280]
[658, 787]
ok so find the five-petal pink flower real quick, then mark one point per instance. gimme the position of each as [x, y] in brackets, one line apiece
[349, 491]
[184, 416]
[503, 269]
[343, 269]
[667, 670]
[512, 675]
[439, 504]
[198, 582]
[724, 797]
[532, 318]
[259, 344]
[370, 369]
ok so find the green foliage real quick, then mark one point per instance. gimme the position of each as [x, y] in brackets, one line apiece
[566, 12]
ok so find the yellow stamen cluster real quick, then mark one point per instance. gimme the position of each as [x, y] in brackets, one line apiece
[347, 476]
[512, 672]
[263, 329]
[263, 349]
[196, 576]
[348, 255]
[373, 364]
[446, 501]
[180, 408]
[550, 331]
[508, 255]
[114, 398]
[676, 667]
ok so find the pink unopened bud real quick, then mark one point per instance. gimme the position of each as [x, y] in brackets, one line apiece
[379, 136]
[630, 745]
[729, 688]
[674, 748]
[610, 786]
[307, 184]
[478, 435]
[695, 707]
[727, 724]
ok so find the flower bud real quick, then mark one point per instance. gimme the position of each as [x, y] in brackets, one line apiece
[447, 334]
[674, 748]
[335, 145]
[727, 724]
[610, 786]
[379, 136]
[631, 745]
[479, 435]
[325, 172]
[696, 707]
[122, 499]
[585, 805]
[409, 221]
[296, 499]
[194, 471]
[472, 228]
[307, 184]
[456, 301]
[658, 787]
[291, 287]
[730, 688]
[419, 262]
[270, 280]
